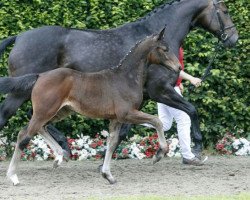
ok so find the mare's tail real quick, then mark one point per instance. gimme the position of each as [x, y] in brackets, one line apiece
[8, 41]
[17, 84]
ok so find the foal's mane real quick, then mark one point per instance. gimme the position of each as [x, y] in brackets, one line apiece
[131, 51]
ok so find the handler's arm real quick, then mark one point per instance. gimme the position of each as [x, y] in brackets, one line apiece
[194, 80]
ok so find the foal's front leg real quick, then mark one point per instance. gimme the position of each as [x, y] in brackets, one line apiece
[138, 117]
[57, 149]
[114, 128]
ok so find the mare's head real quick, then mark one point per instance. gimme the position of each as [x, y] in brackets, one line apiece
[215, 18]
[161, 54]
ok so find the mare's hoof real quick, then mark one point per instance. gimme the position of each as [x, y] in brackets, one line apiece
[111, 180]
[159, 155]
[100, 168]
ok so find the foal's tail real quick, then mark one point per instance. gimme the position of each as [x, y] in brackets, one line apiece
[8, 41]
[17, 84]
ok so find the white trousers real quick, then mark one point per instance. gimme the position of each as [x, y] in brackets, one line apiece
[166, 115]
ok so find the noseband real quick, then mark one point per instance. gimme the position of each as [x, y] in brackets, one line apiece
[223, 35]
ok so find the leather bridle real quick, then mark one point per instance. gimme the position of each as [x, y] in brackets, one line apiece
[224, 36]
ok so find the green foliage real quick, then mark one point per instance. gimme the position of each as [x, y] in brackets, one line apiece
[222, 101]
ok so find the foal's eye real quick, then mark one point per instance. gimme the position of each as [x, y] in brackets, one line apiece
[165, 49]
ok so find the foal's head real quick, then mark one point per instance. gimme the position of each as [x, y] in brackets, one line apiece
[161, 54]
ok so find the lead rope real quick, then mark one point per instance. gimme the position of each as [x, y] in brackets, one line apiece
[208, 68]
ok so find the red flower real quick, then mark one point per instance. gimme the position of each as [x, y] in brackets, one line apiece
[93, 145]
[114, 155]
[125, 151]
[98, 156]
[100, 143]
[148, 154]
[220, 146]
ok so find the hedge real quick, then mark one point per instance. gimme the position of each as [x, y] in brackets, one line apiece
[222, 101]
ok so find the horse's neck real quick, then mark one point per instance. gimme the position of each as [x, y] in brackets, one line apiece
[133, 67]
[177, 16]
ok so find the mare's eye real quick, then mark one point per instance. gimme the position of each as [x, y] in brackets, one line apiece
[225, 12]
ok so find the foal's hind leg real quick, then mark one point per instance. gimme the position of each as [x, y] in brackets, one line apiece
[24, 136]
[11, 173]
[10, 105]
[138, 117]
[114, 128]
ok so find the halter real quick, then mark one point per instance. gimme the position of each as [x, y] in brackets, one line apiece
[223, 35]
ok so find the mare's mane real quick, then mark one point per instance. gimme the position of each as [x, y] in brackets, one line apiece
[157, 9]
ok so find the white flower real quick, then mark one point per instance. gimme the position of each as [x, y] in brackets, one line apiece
[136, 151]
[244, 141]
[93, 152]
[104, 133]
[74, 151]
[86, 146]
[38, 157]
[175, 141]
[85, 138]
[80, 142]
[236, 144]
[242, 152]
[83, 154]
[170, 154]
[177, 154]
[172, 147]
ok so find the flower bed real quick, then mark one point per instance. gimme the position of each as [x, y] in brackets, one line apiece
[85, 147]
[229, 144]
[136, 147]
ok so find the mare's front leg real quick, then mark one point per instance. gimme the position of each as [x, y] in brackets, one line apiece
[161, 91]
[114, 128]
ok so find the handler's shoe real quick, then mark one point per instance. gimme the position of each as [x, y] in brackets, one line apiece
[194, 161]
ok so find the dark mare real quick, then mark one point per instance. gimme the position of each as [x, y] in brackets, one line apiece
[114, 94]
[52, 47]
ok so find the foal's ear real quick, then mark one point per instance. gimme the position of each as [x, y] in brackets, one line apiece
[161, 34]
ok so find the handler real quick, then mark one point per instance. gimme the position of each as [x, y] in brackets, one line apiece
[167, 114]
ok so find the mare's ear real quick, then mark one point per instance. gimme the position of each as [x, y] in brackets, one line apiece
[161, 34]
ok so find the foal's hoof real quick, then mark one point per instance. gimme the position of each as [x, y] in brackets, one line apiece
[159, 155]
[14, 180]
[58, 161]
[110, 179]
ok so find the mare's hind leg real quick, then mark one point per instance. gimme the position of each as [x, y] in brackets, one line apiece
[10, 105]
[114, 128]
[138, 117]
[166, 94]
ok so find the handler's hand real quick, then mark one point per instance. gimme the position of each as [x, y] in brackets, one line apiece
[181, 88]
[196, 81]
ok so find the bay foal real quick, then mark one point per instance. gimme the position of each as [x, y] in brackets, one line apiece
[113, 94]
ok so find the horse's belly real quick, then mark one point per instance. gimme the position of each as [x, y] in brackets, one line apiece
[92, 109]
